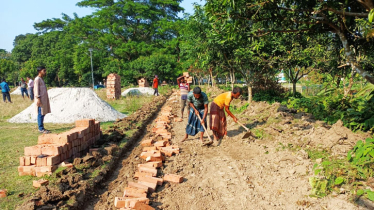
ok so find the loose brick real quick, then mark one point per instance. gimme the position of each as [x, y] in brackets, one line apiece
[39, 183]
[151, 165]
[147, 143]
[130, 202]
[151, 186]
[119, 202]
[160, 143]
[147, 149]
[137, 185]
[139, 174]
[149, 179]
[3, 193]
[142, 206]
[154, 159]
[135, 192]
[152, 171]
[173, 178]
[33, 150]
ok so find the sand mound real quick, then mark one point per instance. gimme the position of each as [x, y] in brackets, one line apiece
[138, 91]
[16, 91]
[69, 105]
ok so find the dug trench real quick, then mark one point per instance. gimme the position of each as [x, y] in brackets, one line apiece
[259, 173]
[73, 188]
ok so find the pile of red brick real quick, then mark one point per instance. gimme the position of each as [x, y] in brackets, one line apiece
[52, 149]
[154, 152]
[113, 86]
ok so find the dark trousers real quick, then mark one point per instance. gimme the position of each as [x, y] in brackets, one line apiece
[31, 92]
[24, 91]
[6, 95]
[40, 119]
[156, 91]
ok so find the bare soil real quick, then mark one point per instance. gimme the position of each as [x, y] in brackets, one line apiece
[240, 173]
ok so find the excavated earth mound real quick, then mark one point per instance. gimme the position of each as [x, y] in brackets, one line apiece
[16, 91]
[138, 91]
[69, 105]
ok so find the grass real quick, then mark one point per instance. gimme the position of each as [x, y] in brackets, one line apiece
[14, 137]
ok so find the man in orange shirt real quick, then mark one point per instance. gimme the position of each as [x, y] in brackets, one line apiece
[218, 122]
[155, 85]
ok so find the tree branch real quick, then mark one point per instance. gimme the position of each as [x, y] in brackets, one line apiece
[341, 12]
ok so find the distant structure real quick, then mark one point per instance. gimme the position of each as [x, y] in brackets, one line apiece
[113, 86]
[143, 82]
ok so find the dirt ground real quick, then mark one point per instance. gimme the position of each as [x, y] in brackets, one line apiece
[241, 174]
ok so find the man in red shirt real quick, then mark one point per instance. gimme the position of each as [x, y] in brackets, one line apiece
[155, 85]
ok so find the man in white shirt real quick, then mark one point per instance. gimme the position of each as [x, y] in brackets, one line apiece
[30, 87]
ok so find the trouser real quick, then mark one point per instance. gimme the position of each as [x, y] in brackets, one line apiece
[40, 119]
[31, 92]
[6, 95]
[156, 91]
[24, 91]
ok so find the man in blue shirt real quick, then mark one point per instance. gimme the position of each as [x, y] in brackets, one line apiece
[5, 90]
[198, 106]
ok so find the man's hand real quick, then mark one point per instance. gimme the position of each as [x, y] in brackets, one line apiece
[203, 120]
[197, 112]
[38, 103]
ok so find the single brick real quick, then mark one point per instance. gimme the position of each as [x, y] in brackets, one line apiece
[137, 185]
[130, 202]
[160, 144]
[152, 171]
[135, 192]
[3, 193]
[33, 150]
[147, 149]
[53, 160]
[149, 179]
[21, 161]
[50, 138]
[151, 186]
[41, 162]
[39, 183]
[147, 143]
[173, 178]
[139, 174]
[151, 165]
[85, 123]
[154, 159]
[27, 160]
[119, 202]
[142, 206]
[52, 150]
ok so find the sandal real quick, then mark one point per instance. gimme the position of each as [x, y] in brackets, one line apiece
[45, 131]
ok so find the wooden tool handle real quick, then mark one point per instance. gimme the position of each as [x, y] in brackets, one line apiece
[202, 123]
[243, 126]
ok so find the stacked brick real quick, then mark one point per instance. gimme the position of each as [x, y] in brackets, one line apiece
[155, 150]
[187, 77]
[143, 82]
[53, 149]
[113, 86]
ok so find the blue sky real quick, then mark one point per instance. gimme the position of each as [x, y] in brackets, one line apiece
[18, 16]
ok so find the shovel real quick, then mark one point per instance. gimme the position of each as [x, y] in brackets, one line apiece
[248, 134]
[202, 123]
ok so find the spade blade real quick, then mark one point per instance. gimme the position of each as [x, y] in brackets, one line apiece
[247, 135]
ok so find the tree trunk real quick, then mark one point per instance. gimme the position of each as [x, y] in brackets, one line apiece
[294, 87]
[347, 90]
[227, 78]
[352, 61]
[249, 93]
[211, 76]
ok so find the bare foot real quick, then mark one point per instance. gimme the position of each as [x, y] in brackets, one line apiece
[184, 139]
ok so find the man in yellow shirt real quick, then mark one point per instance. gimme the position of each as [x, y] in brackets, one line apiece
[218, 122]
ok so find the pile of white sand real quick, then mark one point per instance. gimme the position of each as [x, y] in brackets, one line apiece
[138, 91]
[70, 104]
[16, 91]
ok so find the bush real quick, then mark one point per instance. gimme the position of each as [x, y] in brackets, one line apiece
[271, 96]
[357, 113]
